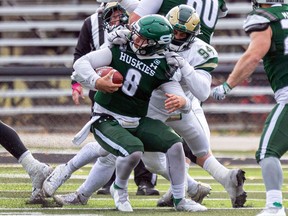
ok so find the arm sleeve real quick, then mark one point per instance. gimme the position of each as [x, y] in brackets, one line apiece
[143, 8]
[129, 5]
[198, 81]
[174, 87]
[85, 67]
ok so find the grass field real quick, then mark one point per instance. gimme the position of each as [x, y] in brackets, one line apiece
[15, 188]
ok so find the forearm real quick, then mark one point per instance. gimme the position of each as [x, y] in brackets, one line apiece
[85, 67]
[243, 69]
[198, 82]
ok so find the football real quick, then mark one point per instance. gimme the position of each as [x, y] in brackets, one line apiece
[117, 77]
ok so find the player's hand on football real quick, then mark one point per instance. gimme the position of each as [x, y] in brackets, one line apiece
[219, 92]
[174, 102]
[105, 83]
[174, 59]
[119, 37]
[77, 92]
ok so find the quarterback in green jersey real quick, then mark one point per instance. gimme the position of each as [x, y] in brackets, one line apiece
[119, 123]
[267, 26]
[208, 10]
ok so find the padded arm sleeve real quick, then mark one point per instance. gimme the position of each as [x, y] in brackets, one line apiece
[198, 81]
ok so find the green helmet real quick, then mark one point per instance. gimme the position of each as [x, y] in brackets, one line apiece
[158, 32]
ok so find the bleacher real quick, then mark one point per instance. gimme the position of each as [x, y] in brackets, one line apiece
[40, 37]
[49, 26]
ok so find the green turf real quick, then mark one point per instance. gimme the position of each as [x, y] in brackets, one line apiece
[15, 189]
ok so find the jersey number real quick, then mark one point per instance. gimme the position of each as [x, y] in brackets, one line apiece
[207, 10]
[131, 82]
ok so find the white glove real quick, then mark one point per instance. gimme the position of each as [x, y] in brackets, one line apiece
[119, 37]
[174, 60]
[219, 92]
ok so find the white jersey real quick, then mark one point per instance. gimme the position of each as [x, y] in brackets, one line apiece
[202, 58]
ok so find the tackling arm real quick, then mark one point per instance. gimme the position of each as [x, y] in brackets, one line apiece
[198, 81]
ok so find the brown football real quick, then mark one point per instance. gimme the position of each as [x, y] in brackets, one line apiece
[117, 77]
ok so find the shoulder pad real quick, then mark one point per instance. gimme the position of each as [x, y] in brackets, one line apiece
[256, 22]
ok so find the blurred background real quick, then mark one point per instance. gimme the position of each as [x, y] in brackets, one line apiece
[37, 40]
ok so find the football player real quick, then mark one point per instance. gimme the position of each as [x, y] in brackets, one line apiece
[267, 26]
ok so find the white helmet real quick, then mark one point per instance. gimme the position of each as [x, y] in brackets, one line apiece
[183, 18]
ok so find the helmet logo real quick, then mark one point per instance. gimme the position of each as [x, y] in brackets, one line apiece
[165, 39]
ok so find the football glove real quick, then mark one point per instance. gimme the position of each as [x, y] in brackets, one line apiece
[219, 92]
[175, 60]
[119, 37]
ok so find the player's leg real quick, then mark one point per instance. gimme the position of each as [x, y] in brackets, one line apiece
[194, 129]
[145, 180]
[120, 142]
[63, 172]
[273, 145]
[105, 190]
[156, 162]
[37, 171]
[158, 137]
[100, 173]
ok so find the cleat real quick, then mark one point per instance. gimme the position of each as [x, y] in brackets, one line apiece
[121, 199]
[56, 179]
[147, 189]
[234, 186]
[38, 174]
[37, 197]
[166, 200]
[103, 191]
[272, 211]
[203, 190]
[190, 206]
[71, 199]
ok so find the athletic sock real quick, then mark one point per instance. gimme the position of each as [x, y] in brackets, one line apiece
[216, 169]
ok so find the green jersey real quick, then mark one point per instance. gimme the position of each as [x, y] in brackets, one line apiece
[209, 11]
[276, 60]
[141, 77]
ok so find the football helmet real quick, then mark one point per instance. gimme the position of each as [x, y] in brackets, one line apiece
[183, 18]
[255, 3]
[156, 34]
[109, 18]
